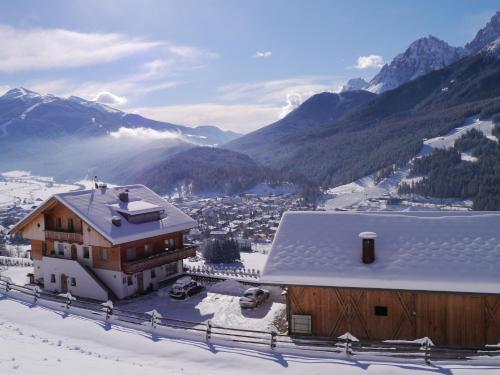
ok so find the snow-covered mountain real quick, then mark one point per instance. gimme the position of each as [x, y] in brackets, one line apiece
[25, 114]
[486, 35]
[355, 84]
[422, 56]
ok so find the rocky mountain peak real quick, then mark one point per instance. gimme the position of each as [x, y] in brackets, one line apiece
[421, 56]
[486, 35]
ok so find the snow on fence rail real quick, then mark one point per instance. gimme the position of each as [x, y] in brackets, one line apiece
[156, 324]
[226, 273]
[18, 262]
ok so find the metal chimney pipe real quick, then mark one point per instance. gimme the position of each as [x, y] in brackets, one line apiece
[368, 246]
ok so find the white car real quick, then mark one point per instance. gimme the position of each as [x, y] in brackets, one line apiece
[253, 297]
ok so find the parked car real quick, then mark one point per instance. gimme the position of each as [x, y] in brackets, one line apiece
[253, 297]
[185, 287]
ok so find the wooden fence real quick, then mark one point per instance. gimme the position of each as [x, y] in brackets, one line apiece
[208, 331]
[224, 273]
[17, 262]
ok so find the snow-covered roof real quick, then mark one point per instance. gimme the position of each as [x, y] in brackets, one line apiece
[430, 251]
[97, 207]
[135, 207]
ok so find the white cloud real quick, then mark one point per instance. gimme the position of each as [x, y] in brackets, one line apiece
[41, 49]
[237, 117]
[287, 94]
[109, 98]
[144, 134]
[263, 54]
[4, 89]
[370, 61]
[293, 101]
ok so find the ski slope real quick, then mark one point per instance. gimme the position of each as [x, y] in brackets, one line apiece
[359, 192]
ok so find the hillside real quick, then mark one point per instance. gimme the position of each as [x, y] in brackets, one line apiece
[468, 170]
[48, 135]
[206, 170]
[389, 128]
[310, 116]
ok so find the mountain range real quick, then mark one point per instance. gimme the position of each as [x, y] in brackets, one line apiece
[330, 139]
[428, 54]
[386, 129]
[27, 114]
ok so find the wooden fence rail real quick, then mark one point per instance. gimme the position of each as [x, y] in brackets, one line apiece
[348, 347]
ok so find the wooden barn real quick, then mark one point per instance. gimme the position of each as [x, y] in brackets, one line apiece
[390, 276]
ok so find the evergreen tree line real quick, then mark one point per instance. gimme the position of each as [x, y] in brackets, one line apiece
[221, 251]
[445, 175]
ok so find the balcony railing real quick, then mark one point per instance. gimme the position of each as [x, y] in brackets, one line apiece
[63, 236]
[157, 260]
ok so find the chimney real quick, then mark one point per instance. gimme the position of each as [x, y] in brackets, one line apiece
[123, 196]
[368, 244]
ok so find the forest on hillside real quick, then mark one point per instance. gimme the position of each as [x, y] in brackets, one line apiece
[446, 175]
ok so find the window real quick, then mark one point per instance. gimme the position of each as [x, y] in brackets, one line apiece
[103, 254]
[58, 223]
[52, 278]
[86, 252]
[131, 253]
[71, 225]
[73, 281]
[60, 248]
[153, 273]
[301, 324]
[130, 281]
[147, 249]
[124, 280]
[170, 243]
[170, 268]
[44, 248]
[381, 311]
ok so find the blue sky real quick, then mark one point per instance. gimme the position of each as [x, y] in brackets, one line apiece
[236, 64]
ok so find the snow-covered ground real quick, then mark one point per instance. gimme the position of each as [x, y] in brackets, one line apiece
[219, 303]
[17, 275]
[364, 191]
[22, 188]
[253, 260]
[36, 340]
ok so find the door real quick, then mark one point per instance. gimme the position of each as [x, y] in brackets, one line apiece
[64, 283]
[140, 282]
[73, 252]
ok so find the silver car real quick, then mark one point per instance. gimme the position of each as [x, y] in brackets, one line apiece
[253, 297]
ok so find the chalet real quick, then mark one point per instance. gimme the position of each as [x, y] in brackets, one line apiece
[106, 242]
[390, 276]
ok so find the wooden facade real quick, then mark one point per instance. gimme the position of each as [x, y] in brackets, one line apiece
[56, 219]
[451, 319]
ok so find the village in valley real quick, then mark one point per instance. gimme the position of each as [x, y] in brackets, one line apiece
[249, 187]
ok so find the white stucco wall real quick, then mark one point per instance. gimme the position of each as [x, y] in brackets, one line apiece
[86, 286]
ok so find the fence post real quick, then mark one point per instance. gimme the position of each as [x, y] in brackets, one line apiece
[273, 338]
[36, 295]
[348, 347]
[209, 329]
[427, 352]
[7, 286]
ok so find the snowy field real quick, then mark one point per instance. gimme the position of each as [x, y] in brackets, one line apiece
[66, 344]
[364, 192]
[22, 188]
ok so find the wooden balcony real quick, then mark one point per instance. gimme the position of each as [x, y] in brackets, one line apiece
[157, 260]
[63, 236]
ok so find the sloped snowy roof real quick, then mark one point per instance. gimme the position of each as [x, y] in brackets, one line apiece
[97, 206]
[431, 251]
